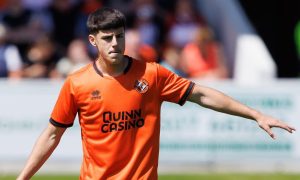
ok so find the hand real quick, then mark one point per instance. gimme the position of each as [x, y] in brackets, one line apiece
[267, 122]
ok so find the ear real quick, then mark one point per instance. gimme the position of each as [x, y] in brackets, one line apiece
[92, 39]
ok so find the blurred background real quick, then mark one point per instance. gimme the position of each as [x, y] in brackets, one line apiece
[245, 39]
[249, 49]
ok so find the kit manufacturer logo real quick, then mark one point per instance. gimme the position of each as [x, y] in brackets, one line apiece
[95, 95]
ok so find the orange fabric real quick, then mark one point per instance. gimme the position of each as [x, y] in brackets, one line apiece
[195, 63]
[119, 118]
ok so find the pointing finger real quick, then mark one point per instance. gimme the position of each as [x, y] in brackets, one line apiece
[289, 129]
[284, 126]
[269, 131]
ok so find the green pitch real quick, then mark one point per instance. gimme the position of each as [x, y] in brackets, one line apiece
[211, 176]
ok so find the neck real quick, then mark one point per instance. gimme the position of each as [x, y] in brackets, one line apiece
[108, 69]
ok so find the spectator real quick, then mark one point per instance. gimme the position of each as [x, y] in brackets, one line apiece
[89, 6]
[3, 4]
[10, 58]
[65, 16]
[148, 19]
[137, 49]
[123, 5]
[202, 58]
[86, 7]
[42, 57]
[171, 57]
[23, 25]
[36, 5]
[132, 43]
[77, 56]
[184, 24]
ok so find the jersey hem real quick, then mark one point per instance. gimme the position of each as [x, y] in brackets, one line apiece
[57, 124]
[186, 94]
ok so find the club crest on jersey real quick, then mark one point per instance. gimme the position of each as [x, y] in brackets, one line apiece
[141, 86]
[95, 95]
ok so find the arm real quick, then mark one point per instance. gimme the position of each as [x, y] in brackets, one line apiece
[43, 148]
[215, 100]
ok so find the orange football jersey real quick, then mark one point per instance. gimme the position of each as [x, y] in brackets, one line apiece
[119, 117]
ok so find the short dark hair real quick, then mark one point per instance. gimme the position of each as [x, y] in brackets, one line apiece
[105, 19]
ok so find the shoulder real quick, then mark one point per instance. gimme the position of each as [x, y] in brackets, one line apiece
[84, 71]
[82, 75]
[145, 67]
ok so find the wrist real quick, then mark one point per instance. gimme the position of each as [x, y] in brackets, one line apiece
[256, 115]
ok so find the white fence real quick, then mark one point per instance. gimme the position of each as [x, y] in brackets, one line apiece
[192, 138]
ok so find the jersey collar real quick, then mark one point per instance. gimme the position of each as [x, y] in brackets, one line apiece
[98, 71]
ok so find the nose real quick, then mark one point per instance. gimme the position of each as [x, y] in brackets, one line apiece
[114, 41]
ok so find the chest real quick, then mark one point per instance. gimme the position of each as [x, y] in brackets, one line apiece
[116, 95]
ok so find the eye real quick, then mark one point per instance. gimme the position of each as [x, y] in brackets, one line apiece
[107, 38]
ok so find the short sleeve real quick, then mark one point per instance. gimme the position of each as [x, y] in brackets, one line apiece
[65, 109]
[173, 88]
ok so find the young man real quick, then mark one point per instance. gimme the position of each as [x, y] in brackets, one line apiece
[118, 101]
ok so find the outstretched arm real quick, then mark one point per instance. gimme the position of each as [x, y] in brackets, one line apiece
[43, 148]
[213, 99]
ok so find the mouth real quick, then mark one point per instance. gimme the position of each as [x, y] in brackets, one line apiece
[114, 52]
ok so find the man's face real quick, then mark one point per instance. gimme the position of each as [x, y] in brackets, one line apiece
[110, 44]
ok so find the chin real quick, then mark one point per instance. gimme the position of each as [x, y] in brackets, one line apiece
[116, 59]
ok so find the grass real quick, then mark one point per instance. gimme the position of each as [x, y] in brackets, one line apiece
[221, 176]
[229, 176]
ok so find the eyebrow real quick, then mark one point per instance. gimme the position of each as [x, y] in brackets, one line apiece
[110, 35]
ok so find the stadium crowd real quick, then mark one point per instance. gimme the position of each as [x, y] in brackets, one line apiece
[48, 38]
